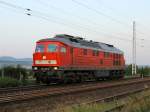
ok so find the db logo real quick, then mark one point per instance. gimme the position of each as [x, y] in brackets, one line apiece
[44, 57]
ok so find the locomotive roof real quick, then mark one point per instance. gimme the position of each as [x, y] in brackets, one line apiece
[82, 43]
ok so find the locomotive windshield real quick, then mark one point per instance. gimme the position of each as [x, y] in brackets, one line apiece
[39, 48]
[52, 48]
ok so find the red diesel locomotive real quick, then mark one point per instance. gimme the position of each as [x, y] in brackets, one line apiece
[66, 58]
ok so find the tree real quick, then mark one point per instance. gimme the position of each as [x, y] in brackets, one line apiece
[128, 70]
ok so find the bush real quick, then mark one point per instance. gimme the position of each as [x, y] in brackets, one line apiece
[144, 70]
[9, 82]
[16, 72]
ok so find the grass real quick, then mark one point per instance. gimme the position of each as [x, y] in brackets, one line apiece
[28, 82]
[96, 107]
[9, 82]
[139, 102]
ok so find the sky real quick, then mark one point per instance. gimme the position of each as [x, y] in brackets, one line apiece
[108, 21]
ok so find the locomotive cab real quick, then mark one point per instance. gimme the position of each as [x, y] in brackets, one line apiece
[49, 55]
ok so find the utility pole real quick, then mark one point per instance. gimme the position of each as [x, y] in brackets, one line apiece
[134, 49]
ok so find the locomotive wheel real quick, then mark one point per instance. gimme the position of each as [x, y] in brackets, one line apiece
[47, 82]
[37, 80]
[66, 81]
[61, 81]
[78, 79]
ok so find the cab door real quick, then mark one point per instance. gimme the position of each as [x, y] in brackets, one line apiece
[63, 55]
[71, 56]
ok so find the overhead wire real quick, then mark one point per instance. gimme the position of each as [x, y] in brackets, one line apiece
[103, 14]
[41, 15]
[100, 13]
[45, 4]
[99, 26]
[78, 17]
[47, 17]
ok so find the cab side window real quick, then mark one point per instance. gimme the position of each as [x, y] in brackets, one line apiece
[63, 49]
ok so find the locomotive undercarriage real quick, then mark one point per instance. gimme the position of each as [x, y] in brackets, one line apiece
[72, 76]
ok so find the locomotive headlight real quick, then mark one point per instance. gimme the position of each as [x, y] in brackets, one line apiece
[35, 68]
[55, 68]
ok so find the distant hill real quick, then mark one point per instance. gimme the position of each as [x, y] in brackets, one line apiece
[9, 58]
[11, 61]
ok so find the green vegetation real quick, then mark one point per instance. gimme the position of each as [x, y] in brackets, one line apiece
[145, 71]
[135, 103]
[14, 72]
[87, 108]
[9, 82]
[11, 76]
[138, 103]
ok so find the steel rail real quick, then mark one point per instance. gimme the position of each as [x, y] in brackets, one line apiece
[36, 86]
[24, 95]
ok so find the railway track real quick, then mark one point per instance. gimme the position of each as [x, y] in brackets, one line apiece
[40, 86]
[20, 88]
[25, 94]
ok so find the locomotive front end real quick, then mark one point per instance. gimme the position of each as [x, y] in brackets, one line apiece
[45, 55]
[45, 60]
